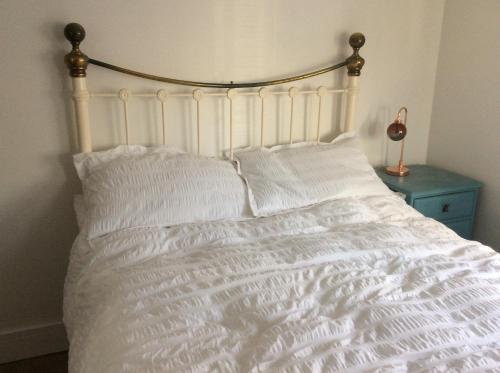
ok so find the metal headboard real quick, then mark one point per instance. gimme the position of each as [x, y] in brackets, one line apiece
[77, 63]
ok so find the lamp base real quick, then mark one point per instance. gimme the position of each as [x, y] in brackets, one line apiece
[397, 171]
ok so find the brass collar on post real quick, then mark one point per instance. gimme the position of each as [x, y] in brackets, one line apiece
[76, 60]
[355, 62]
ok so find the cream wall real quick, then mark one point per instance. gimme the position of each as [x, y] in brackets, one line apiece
[465, 131]
[210, 40]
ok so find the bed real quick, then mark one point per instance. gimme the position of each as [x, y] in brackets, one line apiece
[285, 257]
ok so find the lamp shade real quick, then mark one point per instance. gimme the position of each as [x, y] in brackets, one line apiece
[396, 131]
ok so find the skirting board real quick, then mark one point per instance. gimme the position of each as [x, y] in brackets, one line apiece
[26, 343]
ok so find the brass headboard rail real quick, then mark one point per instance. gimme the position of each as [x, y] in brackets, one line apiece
[77, 63]
[215, 85]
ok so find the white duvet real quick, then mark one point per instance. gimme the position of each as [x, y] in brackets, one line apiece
[347, 285]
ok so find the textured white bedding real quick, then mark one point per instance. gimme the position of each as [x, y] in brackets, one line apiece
[350, 284]
[302, 174]
[133, 186]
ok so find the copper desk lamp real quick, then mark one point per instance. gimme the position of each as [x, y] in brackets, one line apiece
[396, 132]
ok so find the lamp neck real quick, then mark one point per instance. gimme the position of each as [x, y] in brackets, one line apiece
[398, 116]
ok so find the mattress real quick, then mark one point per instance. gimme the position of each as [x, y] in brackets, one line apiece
[355, 284]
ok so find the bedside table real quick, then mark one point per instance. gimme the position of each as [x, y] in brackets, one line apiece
[445, 196]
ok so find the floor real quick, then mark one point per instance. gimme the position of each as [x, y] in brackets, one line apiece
[53, 363]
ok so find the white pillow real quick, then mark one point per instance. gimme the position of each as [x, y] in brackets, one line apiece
[85, 163]
[291, 176]
[134, 186]
[80, 211]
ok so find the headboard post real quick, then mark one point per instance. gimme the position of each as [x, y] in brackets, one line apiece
[77, 62]
[354, 65]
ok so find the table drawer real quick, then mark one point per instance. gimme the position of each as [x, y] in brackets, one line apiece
[446, 206]
[463, 227]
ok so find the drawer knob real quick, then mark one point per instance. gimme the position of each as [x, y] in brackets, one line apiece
[446, 207]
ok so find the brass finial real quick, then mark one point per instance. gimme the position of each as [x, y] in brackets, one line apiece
[76, 60]
[355, 62]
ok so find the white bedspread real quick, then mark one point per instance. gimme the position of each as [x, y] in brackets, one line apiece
[347, 285]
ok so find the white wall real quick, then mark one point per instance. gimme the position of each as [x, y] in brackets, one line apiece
[209, 40]
[465, 131]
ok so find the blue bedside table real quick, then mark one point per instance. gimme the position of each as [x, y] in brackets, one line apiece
[445, 196]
